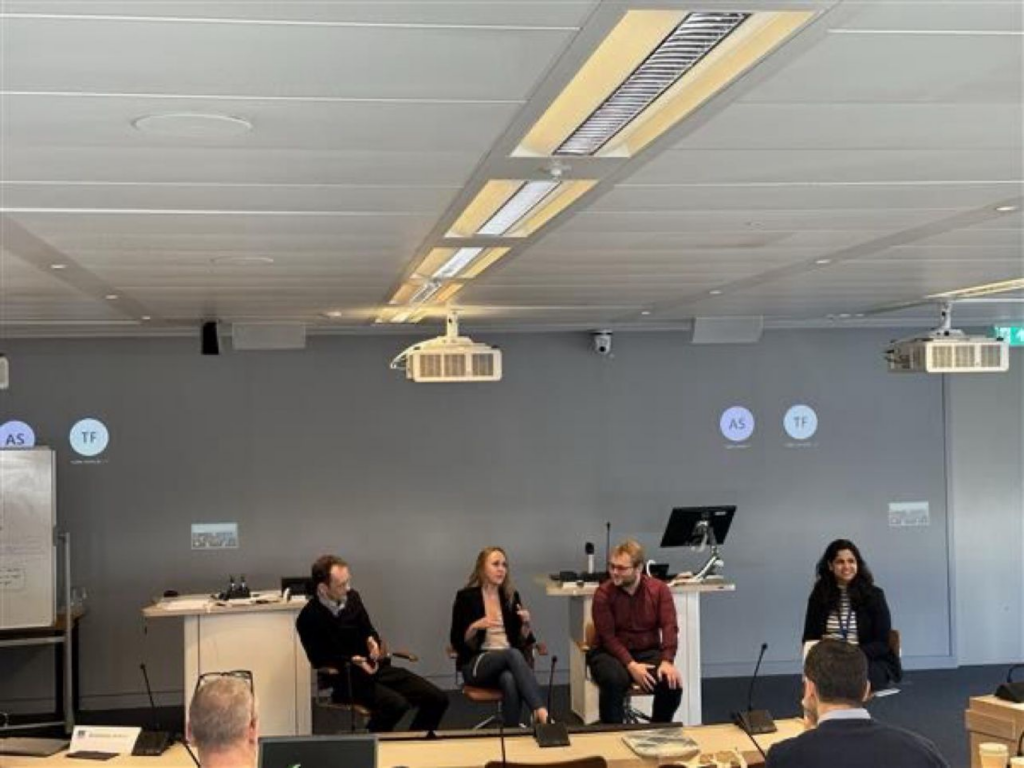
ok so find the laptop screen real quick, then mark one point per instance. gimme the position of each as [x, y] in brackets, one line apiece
[353, 751]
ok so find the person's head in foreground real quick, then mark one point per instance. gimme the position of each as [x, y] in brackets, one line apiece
[835, 677]
[222, 722]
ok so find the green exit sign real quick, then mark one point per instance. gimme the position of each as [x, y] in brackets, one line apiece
[1014, 334]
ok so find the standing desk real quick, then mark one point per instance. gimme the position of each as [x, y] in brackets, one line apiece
[257, 637]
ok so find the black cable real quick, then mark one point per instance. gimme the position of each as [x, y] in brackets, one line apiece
[739, 724]
[1020, 745]
[191, 753]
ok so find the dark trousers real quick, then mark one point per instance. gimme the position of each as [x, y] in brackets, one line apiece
[613, 681]
[508, 670]
[392, 692]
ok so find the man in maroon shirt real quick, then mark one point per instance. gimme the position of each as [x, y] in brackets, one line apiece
[637, 638]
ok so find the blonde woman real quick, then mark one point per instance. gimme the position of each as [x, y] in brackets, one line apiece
[491, 636]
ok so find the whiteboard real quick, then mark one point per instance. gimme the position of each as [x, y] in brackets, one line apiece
[27, 552]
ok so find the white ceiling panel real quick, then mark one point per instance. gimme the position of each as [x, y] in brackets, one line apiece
[199, 58]
[845, 127]
[394, 200]
[381, 126]
[967, 69]
[868, 165]
[1010, 255]
[639, 197]
[908, 15]
[533, 13]
[238, 166]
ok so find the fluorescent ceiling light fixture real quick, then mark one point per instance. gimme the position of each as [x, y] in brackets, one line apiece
[464, 263]
[1006, 209]
[653, 69]
[425, 292]
[1017, 284]
[516, 208]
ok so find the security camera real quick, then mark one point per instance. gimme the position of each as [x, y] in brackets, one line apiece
[602, 342]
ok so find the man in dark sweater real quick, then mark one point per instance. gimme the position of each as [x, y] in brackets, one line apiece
[637, 638]
[842, 734]
[335, 630]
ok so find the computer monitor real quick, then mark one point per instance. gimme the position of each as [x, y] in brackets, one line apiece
[351, 751]
[299, 585]
[699, 527]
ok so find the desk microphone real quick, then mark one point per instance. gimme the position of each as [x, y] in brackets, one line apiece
[155, 742]
[589, 549]
[755, 720]
[740, 724]
[551, 734]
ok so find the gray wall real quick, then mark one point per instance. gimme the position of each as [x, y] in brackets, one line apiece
[328, 450]
[986, 443]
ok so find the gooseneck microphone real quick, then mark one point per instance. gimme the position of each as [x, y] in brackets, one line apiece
[551, 734]
[755, 720]
[750, 736]
[154, 742]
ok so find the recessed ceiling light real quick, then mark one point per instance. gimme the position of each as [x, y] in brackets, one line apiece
[823, 261]
[334, 314]
[192, 125]
[58, 266]
[145, 317]
[242, 261]
[111, 297]
[1006, 209]
[645, 312]
[715, 292]
[843, 315]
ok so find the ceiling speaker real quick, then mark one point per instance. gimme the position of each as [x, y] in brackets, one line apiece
[211, 341]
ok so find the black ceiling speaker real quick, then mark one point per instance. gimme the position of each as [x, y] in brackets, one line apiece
[211, 340]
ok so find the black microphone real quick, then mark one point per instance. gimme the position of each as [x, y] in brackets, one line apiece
[755, 720]
[1011, 691]
[154, 742]
[551, 734]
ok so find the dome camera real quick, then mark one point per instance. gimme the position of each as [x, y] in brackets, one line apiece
[602, 342]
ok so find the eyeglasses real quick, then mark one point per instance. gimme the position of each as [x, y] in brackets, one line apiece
[613, 568]
[242, 674]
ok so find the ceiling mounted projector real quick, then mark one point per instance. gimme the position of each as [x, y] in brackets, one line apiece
[947, 350]
[449, 359]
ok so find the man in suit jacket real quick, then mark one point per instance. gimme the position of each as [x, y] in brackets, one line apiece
[335, 630]
[842, 733]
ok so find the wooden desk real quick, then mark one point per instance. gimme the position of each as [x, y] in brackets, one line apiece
[583, 692]
[991, 719]
[260, 638]
[474, 752]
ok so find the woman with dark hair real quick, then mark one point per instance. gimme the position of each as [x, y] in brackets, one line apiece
[491, 636]
[846, 605]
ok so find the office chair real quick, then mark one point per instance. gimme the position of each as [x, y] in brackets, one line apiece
[481, 695]
[326, 678]
[632, 715]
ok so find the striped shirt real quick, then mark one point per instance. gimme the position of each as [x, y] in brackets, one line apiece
[842, 624]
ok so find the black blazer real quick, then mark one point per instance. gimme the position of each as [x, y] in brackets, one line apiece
[469, 607]
[855, 744]
[873, 623]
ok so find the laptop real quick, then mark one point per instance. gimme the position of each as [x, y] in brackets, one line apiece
[351, 751]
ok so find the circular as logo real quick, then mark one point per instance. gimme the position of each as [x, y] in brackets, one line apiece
[800, 422]
[16, 434]
[736, 424]
[89, 437]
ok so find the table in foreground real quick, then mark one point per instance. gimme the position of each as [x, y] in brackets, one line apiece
[686, 595]
[991, 719]
[475, 752]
